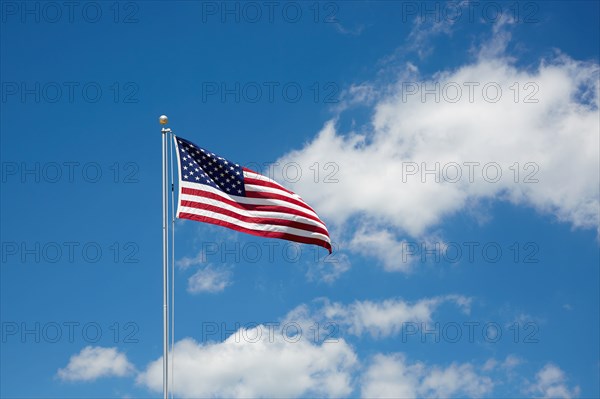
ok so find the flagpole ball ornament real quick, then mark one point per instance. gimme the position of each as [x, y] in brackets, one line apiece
[163, 120]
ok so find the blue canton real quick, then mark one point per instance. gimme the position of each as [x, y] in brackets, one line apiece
[201, 166]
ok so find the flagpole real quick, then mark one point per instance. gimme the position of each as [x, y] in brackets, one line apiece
[165, 200]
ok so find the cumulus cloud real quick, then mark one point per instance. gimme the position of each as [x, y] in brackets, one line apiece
[209, 279]
[94, 362]
[394, 254]
[291, 359]
[328, 269]
[254, 363]
[379, 319]
[551, 382]
[185, 262]
[382, 243]
[393, 376]
[287, 360]
[508, 364]
[489, 130]
[385, 318]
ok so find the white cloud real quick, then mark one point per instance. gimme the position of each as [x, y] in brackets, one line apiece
[275, 361]
[423, 31]
[94, 362]
[254, 363]
[490, 364]
[382, 243]
[392, 376]
[209, 279]
[396, 255]
[263, 362]
[554, 141]
[550, 382]
[386, 318]
[511, 362]
[455, 379]
[186, 261]
[328, 269]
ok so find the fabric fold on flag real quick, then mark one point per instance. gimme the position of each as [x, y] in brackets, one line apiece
[215, 190]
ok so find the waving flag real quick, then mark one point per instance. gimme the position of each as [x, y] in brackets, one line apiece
[215, 190]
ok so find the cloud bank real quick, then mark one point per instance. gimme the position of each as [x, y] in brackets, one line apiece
[263, 366]
[489, 130]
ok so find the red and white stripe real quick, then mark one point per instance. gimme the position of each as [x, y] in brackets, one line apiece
[268, 210]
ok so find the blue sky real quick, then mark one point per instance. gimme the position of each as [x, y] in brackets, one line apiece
[451, 148]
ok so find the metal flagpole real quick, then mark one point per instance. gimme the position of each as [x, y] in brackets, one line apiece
[163, 121]
[172, 331]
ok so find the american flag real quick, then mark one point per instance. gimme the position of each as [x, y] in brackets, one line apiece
[215, 190]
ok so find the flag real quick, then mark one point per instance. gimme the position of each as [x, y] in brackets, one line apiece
[215, 190]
